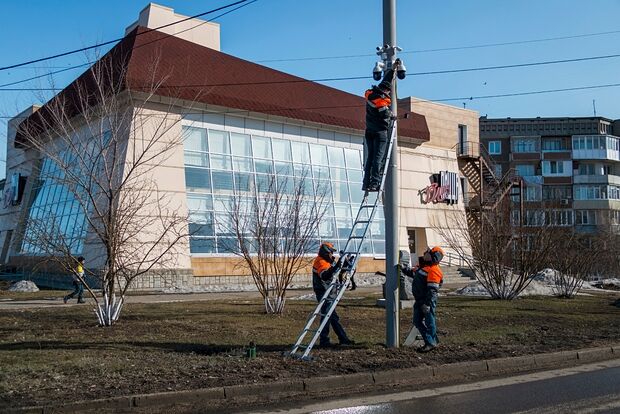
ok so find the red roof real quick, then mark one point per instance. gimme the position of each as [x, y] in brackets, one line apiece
[197, 73]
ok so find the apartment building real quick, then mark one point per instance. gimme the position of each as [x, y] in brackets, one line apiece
[570, 168]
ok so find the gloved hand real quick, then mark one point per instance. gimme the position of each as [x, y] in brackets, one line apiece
[426, 309]
[338, 264]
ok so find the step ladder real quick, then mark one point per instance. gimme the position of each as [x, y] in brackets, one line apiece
[342, 280]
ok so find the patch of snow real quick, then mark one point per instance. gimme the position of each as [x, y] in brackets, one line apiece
[613, 283]
[209, 288]
[23, 286]
[308, 296]
[535, 288]
[542, 284]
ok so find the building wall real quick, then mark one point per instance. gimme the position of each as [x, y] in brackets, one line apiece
[418, 164]
[17, 161]
[196, 31]
[160, 129]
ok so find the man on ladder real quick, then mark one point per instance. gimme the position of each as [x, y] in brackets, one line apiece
[379, 120]
[324, 268]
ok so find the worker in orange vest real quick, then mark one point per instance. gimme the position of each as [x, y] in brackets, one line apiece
[427, 279]
[324, 268]
[379, 118]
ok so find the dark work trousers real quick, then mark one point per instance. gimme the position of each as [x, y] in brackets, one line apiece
[78, 290]
[376, 144]
[334, 321]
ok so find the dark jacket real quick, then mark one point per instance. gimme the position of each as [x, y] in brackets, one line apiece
[378, 112]
[425, 285]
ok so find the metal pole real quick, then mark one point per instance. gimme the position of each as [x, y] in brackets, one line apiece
[390, 202]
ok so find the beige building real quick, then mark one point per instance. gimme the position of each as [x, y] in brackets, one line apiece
[242, 125]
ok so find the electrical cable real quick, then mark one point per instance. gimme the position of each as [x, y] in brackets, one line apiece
[516, 42]
[64, 69]
[83, 49]
[437, 72]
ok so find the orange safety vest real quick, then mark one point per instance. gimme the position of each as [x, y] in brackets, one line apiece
[434, 274]
[320, 265]
[381, 103]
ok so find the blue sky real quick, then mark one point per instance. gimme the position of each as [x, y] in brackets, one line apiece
[281, 29]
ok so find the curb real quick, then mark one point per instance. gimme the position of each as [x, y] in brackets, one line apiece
[407, 376]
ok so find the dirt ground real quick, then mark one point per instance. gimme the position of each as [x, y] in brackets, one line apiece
[53, 355]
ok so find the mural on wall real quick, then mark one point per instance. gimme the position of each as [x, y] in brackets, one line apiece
[444, 188]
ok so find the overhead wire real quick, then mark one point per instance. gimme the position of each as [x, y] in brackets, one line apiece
[65, 69]
[98, 45]
[334, 79]
[485, 45]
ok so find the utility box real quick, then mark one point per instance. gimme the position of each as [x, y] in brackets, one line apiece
[404, 258]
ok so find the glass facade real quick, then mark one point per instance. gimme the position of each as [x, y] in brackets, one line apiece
[55, 210]
[220, 164]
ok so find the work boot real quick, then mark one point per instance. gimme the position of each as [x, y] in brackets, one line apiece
[353, 285]
[347, 342]
[427, 348]
[81, 301]
[65, 299]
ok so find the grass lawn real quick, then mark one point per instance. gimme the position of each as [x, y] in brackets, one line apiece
[53, 354]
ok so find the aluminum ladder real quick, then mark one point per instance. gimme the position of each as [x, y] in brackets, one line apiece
[351, 251]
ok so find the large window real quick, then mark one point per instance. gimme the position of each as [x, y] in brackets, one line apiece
[597, 192]
[495, 147]
[585, 217]
[54, 211]
[551, 145]
[557, 192]
[525, 170]
[524, 145]
[218, 164]
[559, 168]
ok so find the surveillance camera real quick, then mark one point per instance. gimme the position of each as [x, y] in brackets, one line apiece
[377, 71]
[401, 72]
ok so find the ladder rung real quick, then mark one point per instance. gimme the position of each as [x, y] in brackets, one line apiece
[367, 206]
[357, 237]
[361, 222]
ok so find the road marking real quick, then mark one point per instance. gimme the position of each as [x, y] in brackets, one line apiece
[361, 402]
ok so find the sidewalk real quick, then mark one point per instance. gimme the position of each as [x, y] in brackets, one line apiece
[159, 297]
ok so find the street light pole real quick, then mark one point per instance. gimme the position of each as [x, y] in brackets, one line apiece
[390, 201]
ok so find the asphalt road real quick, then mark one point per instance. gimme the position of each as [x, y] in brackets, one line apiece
[591, 388]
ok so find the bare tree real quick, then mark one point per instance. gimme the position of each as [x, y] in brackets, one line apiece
[99, 145]
[505, 254]
[275, 225]
[569, 261]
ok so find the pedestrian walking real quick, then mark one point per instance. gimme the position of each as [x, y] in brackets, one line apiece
[427, 279]
[78, 286]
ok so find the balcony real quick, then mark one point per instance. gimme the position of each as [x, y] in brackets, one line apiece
[596, 147]
[597, 179]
